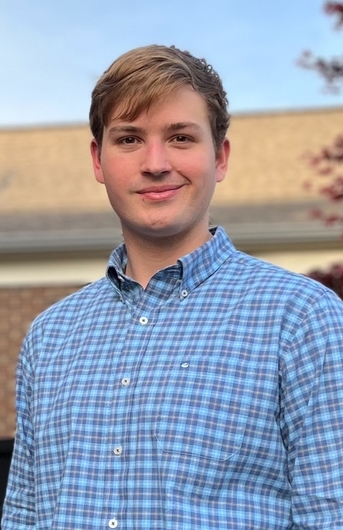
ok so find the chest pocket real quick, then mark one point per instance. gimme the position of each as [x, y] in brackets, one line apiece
[201, 422]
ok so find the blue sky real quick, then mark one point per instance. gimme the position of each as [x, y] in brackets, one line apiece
[51, 53]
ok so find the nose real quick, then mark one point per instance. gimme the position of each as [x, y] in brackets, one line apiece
[155, 160]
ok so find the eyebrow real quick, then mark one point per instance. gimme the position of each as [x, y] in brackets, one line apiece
[172, 127]
[180, 125]
[124, 129]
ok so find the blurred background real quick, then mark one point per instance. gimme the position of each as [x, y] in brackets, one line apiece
[280, 200]
[51, 54]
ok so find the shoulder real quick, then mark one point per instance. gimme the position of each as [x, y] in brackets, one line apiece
[268, 278]
[272, 294]
[248, 273]
[74, 307]
[69, 322]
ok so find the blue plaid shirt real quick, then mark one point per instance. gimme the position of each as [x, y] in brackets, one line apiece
[211, 400]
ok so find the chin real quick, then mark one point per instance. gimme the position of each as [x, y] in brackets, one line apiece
[163, 231]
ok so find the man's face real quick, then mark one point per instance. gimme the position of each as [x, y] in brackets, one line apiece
[160, 169]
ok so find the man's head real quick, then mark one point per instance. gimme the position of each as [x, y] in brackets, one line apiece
[143, 76]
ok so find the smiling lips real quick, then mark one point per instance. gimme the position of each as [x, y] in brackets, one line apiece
[159, 193]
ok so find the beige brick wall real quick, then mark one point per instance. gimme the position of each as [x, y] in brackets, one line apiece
[18, 307]
[49, 169]
[267, 155]
[43, 169]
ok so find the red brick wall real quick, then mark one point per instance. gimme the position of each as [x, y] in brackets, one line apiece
[18, 307]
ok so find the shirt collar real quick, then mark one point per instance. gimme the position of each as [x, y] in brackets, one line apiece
[194, 268]
[200, 264]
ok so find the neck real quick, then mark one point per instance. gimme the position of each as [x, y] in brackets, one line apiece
[147, 256]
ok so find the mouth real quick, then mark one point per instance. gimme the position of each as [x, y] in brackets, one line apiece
[158, 193]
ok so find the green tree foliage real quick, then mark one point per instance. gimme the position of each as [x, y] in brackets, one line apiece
[332, 278]
[327, 163]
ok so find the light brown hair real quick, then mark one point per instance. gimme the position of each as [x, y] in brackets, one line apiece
[140, 77]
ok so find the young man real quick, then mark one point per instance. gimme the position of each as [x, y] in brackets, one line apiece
[194, 387]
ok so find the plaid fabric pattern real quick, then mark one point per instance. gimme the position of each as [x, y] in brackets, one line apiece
[211, 400]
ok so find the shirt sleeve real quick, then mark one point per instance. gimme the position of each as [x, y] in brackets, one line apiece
[312, 411]
[19, 506]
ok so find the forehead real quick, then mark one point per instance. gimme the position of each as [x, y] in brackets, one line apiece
[180, 104]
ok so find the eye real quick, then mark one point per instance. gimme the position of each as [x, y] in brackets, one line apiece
[180, 138]
[127, 140]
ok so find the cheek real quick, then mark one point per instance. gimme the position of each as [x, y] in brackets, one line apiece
[195, 168]
[203, 163]
[115, 173]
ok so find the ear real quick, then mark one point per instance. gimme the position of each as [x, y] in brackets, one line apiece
[222, 160]
[96, 154]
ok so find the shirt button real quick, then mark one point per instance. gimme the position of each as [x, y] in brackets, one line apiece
[143, 321]
[113, 523]
[118, 450]
[125, 381]
[184, 293]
